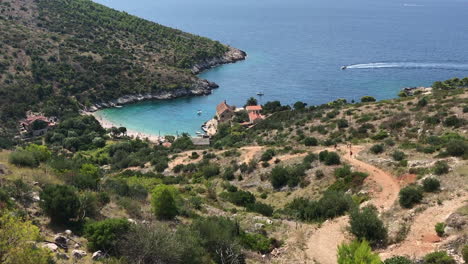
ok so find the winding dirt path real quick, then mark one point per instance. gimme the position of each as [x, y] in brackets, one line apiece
[322, 244]
[422, 238]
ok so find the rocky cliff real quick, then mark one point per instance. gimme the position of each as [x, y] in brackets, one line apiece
[233, 55]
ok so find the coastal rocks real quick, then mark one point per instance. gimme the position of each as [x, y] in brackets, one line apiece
[201, 87]
[231, 56]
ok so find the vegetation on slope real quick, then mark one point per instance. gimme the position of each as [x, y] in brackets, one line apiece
[61, 55]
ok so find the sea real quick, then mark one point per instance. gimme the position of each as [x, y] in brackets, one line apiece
[296, 50]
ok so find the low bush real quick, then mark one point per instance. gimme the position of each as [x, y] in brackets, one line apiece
[310, 141]
[261, 208]
[398, 260]
[240, 198]
[398, 155]
[23, 158]
[439, 257]
[439, 228]
[357, 252]
[410, 195]
[268, 155]
[256, 242]
[60, 202]
[465, 251]
[377, 148]
[431, 185]
[164, 202]
[331, 205]
[366, 224]
[104, 235]
[332, 158]
[441, 167]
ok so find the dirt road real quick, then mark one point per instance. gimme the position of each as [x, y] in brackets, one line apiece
[323, 243]
[422, 237]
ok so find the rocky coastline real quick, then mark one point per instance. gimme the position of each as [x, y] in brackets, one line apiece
[231, 56]
[199, 88]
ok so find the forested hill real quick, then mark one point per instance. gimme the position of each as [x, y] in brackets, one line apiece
[61, 55]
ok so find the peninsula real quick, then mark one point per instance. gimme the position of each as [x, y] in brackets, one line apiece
[63, 56]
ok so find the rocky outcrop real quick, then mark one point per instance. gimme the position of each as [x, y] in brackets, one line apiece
[231, 56]
[202, 87]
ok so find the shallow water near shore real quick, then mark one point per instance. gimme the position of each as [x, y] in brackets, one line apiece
[296, 49]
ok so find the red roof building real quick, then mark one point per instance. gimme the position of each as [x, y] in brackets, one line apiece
[224, 112]
[254, 113]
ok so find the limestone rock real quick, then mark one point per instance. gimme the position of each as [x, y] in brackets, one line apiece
[97, 255]
[51, 246]
[456, 221]
[78, 253]
[61, 240]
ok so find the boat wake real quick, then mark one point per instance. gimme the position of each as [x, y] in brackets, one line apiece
[409, 65]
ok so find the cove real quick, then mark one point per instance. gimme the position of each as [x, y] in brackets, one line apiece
[296, 49]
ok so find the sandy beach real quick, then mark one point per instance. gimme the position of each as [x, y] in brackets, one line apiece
[131, 133]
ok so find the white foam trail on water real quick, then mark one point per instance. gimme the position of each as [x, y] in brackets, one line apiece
[409, 65]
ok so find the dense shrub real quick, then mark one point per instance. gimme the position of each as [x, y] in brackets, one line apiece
[260, 208]
[211, 170]
[398, 155]
[256, 242]
[457, 148]
[441, 167]
[366, 99]
[377, 148]
[23, 158]
[310, 141]
[159, 243]
[164, 202]
[439, 257]
[431, 185]
[342, 123]
[453, 121]
[331, 158]
[398, 260]
[410, 195]
[292, 175]
[104, 235]
[268, 155]
[219, 236]
[365, 224]
[240, 198]
[331, 205]
[439, 228]
[60, 202]
[357, 252]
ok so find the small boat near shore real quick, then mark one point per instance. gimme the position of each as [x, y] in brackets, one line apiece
[199, 112]
[260, 94]
[344, 67]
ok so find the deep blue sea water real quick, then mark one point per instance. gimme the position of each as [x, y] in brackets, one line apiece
[296, 48]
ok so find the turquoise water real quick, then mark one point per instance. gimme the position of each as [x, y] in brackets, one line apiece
[296, 48]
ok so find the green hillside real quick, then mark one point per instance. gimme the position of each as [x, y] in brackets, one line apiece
[60, 55]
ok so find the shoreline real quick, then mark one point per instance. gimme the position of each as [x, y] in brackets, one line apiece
[200, 87]
[105, 123]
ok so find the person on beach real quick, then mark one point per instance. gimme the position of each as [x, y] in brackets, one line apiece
[351, 153]
[336, 146]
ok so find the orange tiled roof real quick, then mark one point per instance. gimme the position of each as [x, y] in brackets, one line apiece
[254, 108]
[222, 107]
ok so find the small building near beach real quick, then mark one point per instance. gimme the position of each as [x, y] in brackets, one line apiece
[254, 112]
[36, 124]
[224, 112]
